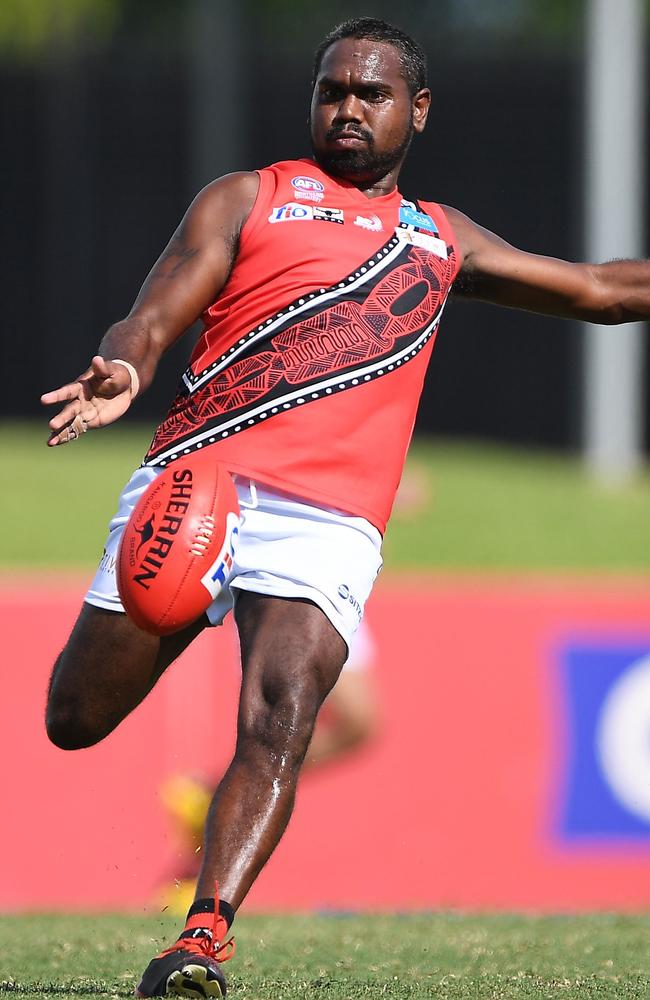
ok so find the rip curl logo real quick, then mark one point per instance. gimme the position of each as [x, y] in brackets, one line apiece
[424, 240]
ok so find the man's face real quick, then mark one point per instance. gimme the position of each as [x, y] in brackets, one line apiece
[362, 114]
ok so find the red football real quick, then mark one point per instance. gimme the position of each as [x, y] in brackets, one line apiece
[178, 544]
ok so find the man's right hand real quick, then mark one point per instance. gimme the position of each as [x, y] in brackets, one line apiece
[98, 397]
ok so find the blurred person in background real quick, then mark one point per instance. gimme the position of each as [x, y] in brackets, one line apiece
[321, 289]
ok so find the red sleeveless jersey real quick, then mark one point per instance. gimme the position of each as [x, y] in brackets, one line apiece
[309, 370]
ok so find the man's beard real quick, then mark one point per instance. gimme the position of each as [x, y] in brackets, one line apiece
[361, 164]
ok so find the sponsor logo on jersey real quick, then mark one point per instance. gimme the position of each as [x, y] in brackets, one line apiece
[344, 592]
[410, 216]
[308, 188]
[291, 212]
[328, 214]
[372, 222]
[307, 184]
[430, 243]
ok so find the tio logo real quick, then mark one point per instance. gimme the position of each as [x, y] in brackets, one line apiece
[607, 769]
[291, 212]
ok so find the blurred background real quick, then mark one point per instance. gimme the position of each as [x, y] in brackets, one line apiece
[114, 114]
[510, 760]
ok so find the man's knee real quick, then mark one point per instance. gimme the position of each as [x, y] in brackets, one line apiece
[68, 722]
[68, 730]
[291, 657]
[107, 667]
[278, 722]
[103, 671]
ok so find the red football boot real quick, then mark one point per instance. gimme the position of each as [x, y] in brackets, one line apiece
[191, 967]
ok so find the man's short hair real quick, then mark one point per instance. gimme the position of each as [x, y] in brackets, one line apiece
[412, 57]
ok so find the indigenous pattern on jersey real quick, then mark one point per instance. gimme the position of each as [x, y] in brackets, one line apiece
[332, 298]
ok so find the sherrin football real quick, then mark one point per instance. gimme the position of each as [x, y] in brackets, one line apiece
[178, 544]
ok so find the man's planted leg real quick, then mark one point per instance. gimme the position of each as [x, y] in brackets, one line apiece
[106, 668]
[291, 658]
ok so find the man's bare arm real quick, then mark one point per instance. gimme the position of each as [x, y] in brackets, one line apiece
[186, 279]
[494, 271]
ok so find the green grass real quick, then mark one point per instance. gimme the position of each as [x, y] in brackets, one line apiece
[499, 508]
[452, 956]
[484, 507]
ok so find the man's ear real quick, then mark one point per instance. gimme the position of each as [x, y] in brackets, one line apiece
[421, 104]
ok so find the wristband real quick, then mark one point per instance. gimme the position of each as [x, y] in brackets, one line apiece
[135, 381]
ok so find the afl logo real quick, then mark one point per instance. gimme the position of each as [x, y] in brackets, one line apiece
[308, 188]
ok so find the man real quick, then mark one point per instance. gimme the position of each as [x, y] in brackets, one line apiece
[321, 290]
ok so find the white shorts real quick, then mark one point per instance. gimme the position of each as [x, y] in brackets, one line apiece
[286, 548]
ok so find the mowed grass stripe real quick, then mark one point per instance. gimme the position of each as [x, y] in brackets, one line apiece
[477, 507]
[342, 958]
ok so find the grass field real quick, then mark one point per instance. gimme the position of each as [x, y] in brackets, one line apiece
[459, 957]
[484, 507]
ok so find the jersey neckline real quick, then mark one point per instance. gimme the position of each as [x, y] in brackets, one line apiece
[349, 187]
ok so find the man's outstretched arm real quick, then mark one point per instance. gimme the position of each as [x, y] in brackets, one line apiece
[494, 271]
[186, 279]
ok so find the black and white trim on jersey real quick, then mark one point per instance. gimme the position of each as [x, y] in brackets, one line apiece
[356, 287]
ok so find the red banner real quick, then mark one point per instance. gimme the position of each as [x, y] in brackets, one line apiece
[484, 788]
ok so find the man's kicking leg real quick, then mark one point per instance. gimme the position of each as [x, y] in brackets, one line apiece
[106, 668]
[291, 658]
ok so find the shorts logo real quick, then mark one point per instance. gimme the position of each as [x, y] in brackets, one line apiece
[218, 574]
[372, 222]
[291, 212]
[107, 563]
[344, 592]
[308, 188]
[328, 215]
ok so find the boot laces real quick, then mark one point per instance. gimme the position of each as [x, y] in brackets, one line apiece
[205, 943]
